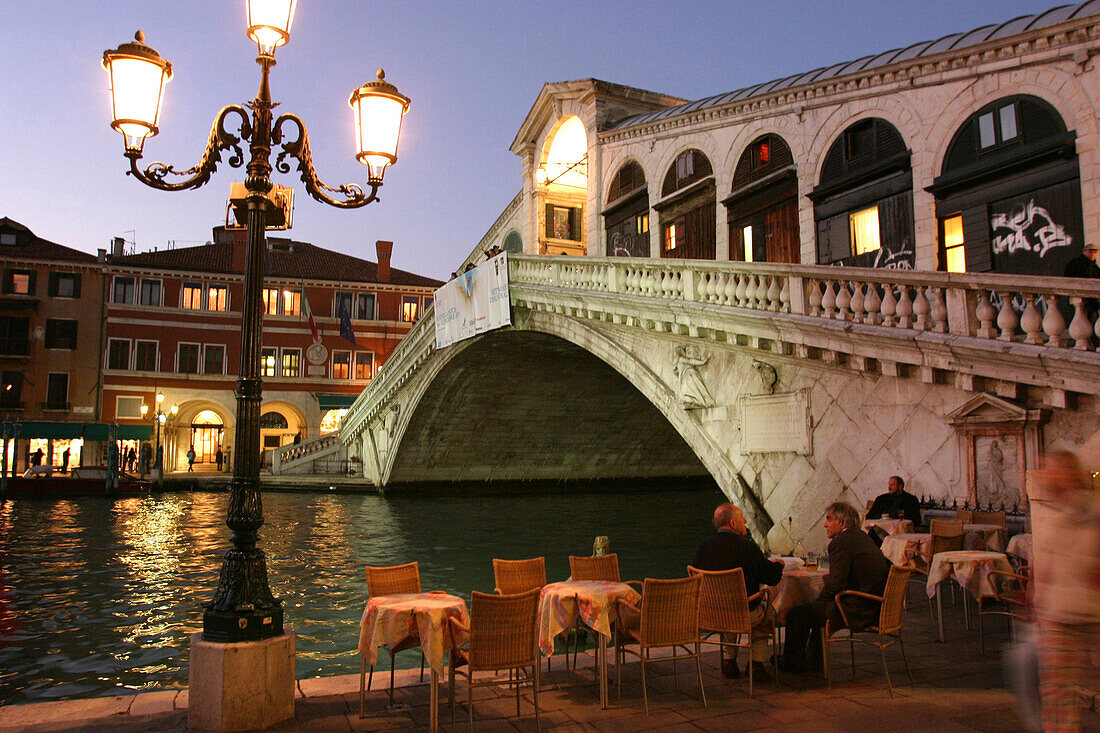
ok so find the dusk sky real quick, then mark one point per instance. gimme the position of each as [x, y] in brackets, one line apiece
[472, 69]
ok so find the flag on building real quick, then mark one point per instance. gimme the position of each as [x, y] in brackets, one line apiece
[345, 325]
[309, 315]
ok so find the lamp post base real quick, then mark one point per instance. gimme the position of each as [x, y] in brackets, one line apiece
[229, 627]
[238, 687]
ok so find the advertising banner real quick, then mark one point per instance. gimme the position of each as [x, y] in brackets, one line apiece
[474, 302]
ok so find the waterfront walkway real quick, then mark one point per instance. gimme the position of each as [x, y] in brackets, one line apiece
[957, 689]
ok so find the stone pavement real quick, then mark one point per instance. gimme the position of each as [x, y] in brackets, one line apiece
[957, 689]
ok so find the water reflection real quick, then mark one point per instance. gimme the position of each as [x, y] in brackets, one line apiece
[99, 596]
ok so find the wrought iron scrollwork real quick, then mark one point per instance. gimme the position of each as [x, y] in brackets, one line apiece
[220, 139]
[353, 193]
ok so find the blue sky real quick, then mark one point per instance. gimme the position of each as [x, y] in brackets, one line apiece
[472, 69]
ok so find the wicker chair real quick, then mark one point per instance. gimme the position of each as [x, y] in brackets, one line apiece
[947, 536]
[596, 567]
[1010, 591]
[886, 633]
[503, 635]
[519, 576]
[998, 518]
[724, 609]
[966, 516]
[668, 617]
[388, 581]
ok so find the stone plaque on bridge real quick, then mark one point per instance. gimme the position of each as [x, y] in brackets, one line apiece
[778, 423]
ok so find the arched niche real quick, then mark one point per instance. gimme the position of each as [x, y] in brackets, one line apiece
[561, 184]
[762, 208]
[626, 215]
[687, 208]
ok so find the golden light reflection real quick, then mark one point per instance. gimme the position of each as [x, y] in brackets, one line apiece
[565, 160]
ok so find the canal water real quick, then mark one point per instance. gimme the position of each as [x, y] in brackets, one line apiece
[99, 596]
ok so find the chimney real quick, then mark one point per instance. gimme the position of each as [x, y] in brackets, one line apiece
[385, 249]
[118, 247]
[101, 255]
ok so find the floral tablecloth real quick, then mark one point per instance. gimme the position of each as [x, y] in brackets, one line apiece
[594, 600]
[1020, 545]
[902, 549]
[389, 619]
[970, 568]
[797, 586]
[984, 537]
[886, 527]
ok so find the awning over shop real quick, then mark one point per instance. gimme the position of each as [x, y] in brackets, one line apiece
[71, 430]
[335, 401]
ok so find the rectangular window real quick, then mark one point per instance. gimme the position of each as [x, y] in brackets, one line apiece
[341, 364]
[953, 249]
[65, 284]
[11, 390]
[191, 296]
[217, 298]
[987, 135]
[364, 365]
[364, 307]
[118, 353]
[410, 309]
[123, 290]
[150, 292]
[187, 359]
[563, 222]
[19, 282]
[269, 362]
[746, 235]
[128, 406]
[1008, 122]
[292, 302]
[214, 362]
[670, 238]
[57, 391]
[641, 223]
[145, 356]
[271, 301]
[14, 336]
[340, 302]
[8, 239]
[427, 303]
[863, 228]
[60, 333]
[292, 360]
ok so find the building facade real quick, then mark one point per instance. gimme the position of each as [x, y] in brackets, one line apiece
[974, 152]
[50, 338]
[172, 340]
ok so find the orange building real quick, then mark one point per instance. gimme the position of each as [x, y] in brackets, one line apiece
[173, 329]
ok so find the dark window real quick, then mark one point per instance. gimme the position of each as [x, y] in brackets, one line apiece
[14, 339]
[513, 243]
[57, 392]
[11, 391]
[689, 167]
[1010, 122]
[273, 421]
[65, 284]
[215, 360]
[145, 356]
[629, 179]
[8, 239]
[150, 292]
[364, 306]
[60, 333]
[188, 359]
[19, 282]
[691, 235]
[123, 291]
[563, 222]
[118, 354]
[341, 302]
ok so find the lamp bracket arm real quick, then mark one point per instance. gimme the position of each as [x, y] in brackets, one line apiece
[220, 139]
[299, 148]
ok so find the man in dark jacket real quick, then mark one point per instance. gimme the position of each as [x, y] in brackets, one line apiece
[731, 548]
[1084, 264]
[855, 563]
[896, 503]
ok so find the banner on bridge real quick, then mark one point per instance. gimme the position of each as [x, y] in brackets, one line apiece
[474, 302]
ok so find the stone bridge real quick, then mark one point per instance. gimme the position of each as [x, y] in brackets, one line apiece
[791, 386]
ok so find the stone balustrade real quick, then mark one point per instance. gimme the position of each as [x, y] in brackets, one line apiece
[290, 454]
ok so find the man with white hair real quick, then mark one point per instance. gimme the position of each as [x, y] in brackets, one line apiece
[1084, 264]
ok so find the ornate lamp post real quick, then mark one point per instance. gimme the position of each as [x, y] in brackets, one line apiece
[160, 417]
[243, 608]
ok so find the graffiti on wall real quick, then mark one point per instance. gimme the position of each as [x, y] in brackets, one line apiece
[1027, 228]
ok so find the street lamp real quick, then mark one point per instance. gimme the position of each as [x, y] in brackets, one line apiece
[159, 418]
[243, 608]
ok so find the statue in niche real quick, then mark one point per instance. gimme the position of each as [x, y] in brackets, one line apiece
[768, 377]
[691, 391]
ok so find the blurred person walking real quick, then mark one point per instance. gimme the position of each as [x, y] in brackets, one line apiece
[1066, 586]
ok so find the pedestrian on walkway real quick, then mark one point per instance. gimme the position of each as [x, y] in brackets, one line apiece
[65, 460]
[131, 457]
[219, 458]
[191, 459]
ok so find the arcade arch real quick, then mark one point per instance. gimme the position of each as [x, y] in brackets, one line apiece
[561, 184]
[687, 208]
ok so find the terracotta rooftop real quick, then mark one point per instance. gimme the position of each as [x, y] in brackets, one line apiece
[31, 247]
[285, 258]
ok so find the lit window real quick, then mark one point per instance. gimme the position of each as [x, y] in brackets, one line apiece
[641, 224]
[863, 226]
[670, 237]
[269, 362]
[271, 301]
[341, 364]
[364, 365]
[192, 296]
[410, 309]
[217, 298]
[292, 302]
[954, 252]
[330, 422]
[291, 362]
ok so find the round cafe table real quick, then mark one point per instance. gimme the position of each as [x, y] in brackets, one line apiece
[1020, 546]
[915, 547]
[797, 586]
[971, 569]
[984, 537]
[886, 527]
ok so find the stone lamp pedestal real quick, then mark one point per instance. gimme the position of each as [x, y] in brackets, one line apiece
[241, 686]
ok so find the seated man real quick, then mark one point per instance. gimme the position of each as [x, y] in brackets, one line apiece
[896, 503]
[855, 563]
[731, 548]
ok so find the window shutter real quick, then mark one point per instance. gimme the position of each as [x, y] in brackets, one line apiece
[52, 290]
[76, 284]
[31, 290]
[7, 281]
[575, 224]
[549, 221]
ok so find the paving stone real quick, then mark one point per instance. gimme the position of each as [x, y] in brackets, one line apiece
[152, 703]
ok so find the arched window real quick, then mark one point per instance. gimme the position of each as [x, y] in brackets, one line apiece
[1008, 198]
[273, 421]
[863, 205]
[687, 208]
[513, 243]
[762, 209]
[626, 217]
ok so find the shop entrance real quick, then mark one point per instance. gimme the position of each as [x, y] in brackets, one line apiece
[207, 432]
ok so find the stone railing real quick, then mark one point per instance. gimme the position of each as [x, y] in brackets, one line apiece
[1047, 311]
[290, 455]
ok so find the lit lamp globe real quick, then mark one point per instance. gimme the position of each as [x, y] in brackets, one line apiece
[540, 176]
[269, 23]
[378, 108]
[138, 75]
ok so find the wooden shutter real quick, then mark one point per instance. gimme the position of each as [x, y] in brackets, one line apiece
[549, 221]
